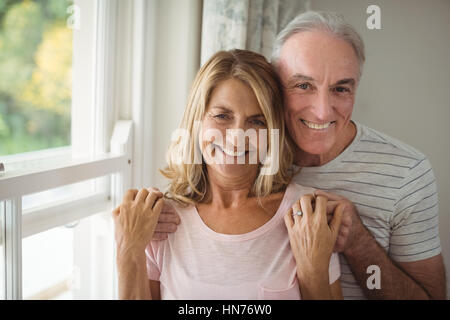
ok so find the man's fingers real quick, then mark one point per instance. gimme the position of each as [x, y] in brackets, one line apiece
[166, 227]
[158, 236]
[337, 219]
[331, 205]
[329, 195]
[168, 208]
[169, 217]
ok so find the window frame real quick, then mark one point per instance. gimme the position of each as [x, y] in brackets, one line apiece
[104, 143]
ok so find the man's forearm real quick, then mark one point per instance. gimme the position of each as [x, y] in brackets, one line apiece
[394, 284]
[132, 275]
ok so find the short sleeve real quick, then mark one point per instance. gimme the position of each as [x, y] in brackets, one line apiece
[415, 222]
[153, 260]
[335, 268]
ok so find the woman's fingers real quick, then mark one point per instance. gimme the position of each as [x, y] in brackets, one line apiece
[152, 197]
[130, 195]
[321, 207]
[116, 211]
[141, 195]
[158, 206]
[288, 219]
[306, 205]
[296, 207]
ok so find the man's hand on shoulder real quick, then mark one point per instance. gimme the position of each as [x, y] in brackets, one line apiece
[167, 223]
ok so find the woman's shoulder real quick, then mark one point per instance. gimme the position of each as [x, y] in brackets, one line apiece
[295, 189]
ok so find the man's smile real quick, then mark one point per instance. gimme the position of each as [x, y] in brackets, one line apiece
[317, 126]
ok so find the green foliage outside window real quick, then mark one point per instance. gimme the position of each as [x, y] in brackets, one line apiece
[35, 75]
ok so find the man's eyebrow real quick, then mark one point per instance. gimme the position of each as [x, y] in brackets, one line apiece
[299, 76]
[349, 81]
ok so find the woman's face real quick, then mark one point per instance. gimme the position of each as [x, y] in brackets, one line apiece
[230, 130]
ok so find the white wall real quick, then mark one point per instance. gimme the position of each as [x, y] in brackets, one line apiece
[405, 87]
[177, 57]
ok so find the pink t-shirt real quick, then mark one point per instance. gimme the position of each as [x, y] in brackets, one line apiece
[196, 262]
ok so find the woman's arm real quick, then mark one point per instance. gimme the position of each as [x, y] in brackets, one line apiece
[135, 222]
[132, 276]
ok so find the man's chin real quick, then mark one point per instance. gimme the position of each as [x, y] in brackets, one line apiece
[315, 148]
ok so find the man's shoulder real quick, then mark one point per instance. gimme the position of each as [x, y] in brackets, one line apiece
[373, 143]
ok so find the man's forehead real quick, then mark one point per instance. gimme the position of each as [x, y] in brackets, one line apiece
[314, 54]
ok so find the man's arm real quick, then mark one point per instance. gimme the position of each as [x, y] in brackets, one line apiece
[423, 279]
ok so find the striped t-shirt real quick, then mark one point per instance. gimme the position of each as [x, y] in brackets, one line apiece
[393, 187]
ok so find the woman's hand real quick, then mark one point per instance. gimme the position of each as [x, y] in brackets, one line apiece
[136, 218]
[351, 222]
[312, 241]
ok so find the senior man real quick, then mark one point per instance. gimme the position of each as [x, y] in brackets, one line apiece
[389, 241]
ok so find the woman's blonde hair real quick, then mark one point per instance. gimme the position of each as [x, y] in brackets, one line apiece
[188, 180]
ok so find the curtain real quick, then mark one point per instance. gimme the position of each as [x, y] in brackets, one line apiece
[245, 24]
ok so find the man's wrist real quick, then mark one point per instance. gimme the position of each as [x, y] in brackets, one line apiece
[361, 239]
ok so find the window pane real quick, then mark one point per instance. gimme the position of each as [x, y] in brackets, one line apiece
[70, 262]
[35, 75]
[51, 196]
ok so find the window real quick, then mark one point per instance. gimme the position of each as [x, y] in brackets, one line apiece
[56, 195]
[35, 75]
[73, 261]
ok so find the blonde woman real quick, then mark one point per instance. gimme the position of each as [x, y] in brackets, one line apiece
[246, 232]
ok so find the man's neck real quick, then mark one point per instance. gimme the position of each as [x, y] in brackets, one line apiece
[304, 159]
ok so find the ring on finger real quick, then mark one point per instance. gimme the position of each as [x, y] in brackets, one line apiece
[297, 213]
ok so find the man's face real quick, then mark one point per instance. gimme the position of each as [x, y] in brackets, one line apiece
[319, 73]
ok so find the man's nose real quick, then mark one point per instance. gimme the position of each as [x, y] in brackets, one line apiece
[323, 108]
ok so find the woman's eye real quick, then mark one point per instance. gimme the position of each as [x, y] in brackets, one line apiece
[259, 122]
[221, 116]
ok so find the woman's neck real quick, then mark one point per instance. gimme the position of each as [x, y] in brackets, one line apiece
[230, 192]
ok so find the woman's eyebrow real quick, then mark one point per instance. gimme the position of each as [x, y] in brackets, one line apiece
[222, 108]
[258, 115]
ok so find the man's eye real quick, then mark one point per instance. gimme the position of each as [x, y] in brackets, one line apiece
[341, 89]
[303, 86]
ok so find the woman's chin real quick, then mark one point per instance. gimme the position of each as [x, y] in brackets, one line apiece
[236, 171]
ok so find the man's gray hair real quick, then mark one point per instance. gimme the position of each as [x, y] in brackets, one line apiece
[327, 21]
